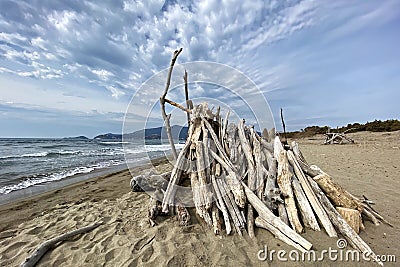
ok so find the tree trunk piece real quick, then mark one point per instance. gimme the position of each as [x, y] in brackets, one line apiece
[302, 161]
[352, 217]
[336, 193]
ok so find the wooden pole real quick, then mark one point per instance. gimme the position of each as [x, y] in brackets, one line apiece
[185, 78]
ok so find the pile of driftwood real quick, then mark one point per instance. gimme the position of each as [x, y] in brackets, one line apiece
[337, 138]
[240, 179]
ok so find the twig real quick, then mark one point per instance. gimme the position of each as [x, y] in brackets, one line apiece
[44, 247]
[284, 127]
[162, 102]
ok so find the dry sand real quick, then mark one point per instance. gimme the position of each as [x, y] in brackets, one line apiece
[370, 167]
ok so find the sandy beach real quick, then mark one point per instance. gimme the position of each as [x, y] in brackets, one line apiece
[370, 167]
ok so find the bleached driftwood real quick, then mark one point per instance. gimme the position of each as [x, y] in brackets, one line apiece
[306, 211]
[251, 174]
[176, 173]
[337, 138]
[272, 193]
[302, 161]
[343, 227]
[276, 225]
[352, 217]
[162, 103]
[149, 181]
[44, 247]
[336, 193]
[221, 205]
[183, 214]
[315, 204]
[285, 184]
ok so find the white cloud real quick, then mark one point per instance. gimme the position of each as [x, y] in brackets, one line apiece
[62, 21]
[115, 92]
[102, 74]
[106, 49]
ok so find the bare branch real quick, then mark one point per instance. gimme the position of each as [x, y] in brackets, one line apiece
[162, 102]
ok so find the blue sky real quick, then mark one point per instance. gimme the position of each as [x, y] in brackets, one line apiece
[72, 67]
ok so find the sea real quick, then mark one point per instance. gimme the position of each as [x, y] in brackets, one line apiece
[33, 165]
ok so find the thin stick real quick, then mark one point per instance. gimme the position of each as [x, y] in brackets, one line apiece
[284, 127]
[44, 247]
[185, 78]
[162, 102]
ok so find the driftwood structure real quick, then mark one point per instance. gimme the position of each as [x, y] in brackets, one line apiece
[337, 138]
[240, 179]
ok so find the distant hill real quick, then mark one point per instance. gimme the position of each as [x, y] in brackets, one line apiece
[178, 133]
[81, 137]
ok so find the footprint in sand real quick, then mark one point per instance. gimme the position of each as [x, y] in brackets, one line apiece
[147, 253]
[10, 250]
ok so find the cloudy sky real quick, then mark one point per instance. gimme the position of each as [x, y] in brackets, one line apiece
[72, 67]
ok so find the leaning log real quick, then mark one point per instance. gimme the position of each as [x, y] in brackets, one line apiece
[274, 221]
[251, 174]
[176, 173]
[272, 193]
[221, 205]
[198, 195]
[343, 227]
[312, 198]
[232, 180]
[306, 211]
[260, 222]
[336, 193]
[285, 185]
[302, 161]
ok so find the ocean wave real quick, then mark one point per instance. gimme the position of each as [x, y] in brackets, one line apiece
[55, 146]
[28, 182]
[53, 177]
[150, 148]
[113, 143]
[43, 154]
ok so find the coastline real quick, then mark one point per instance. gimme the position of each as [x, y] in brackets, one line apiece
[97, 186]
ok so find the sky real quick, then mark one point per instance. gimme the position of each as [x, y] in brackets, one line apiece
[72, 68]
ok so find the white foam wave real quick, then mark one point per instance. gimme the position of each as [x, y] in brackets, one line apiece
[150, 148]
[57, 176]
[113, 143]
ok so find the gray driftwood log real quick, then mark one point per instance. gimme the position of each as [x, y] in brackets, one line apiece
[44, 247]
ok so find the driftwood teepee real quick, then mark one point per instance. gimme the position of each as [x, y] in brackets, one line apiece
[240, 180]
